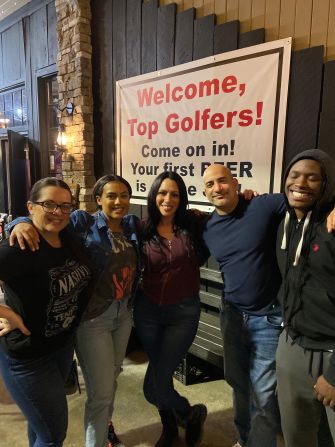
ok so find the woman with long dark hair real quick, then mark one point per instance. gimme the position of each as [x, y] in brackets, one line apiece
[167, 309]
[46, 292]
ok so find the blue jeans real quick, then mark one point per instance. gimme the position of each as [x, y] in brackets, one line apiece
[250, 344]
[101, 345]
[166, 333]
[37, 386]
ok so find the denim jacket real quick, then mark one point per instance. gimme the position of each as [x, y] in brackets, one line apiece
[92, 230]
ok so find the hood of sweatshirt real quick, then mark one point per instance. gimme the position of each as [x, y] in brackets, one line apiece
[328, 173]
[321, 206]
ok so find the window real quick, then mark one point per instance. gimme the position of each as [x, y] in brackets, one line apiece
[13, 108]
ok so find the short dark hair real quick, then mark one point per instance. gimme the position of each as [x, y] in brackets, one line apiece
[35, 192]
[99, 186]
[154, 215]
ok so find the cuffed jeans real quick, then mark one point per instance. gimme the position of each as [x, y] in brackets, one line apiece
[37, 386]
[250, 344]
[101, 345]
[297, 371]
[166, 333]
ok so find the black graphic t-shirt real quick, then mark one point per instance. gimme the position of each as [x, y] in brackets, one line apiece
[117, 279]
[48, 288]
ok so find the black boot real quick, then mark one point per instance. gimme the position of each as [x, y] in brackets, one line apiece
[170, 429]
[193, 425]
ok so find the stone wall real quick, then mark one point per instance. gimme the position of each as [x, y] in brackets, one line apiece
[75, 85]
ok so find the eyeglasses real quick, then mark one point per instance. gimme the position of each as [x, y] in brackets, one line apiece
[50, 207]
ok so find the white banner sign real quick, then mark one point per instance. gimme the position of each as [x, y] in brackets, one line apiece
[229, 109]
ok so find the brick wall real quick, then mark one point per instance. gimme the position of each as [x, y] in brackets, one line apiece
[75, 85]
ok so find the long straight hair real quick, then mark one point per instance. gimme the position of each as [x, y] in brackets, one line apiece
[183, 220]
[154, 216]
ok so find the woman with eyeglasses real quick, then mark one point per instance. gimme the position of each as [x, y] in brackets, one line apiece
[46, 292]
[102, 337]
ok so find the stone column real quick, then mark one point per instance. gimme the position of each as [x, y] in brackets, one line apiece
[75, 85]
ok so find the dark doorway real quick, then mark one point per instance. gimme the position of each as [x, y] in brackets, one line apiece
[18, 173]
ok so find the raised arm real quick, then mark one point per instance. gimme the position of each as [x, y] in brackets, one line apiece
[25, 233]
[331, 222]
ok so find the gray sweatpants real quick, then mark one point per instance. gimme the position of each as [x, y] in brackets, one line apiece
[299, 408]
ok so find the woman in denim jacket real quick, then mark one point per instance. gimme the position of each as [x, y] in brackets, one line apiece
[111, 239]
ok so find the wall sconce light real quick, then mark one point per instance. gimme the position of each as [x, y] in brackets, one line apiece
[69, 108]
[61, 134]
[61, 137]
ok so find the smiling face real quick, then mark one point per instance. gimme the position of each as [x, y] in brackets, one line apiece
[46, 222]
[168, 198]
[114, 200]
[303, 186]
[221, 188]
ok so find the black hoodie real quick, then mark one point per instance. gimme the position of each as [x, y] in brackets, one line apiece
[307, 293]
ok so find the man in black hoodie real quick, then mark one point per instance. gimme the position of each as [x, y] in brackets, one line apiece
[306, 253]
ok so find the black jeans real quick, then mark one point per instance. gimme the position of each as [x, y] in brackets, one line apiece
[166, 333]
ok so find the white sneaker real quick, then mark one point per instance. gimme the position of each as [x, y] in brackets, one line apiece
[237, 445]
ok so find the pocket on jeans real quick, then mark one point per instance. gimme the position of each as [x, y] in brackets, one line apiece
[275, 321]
